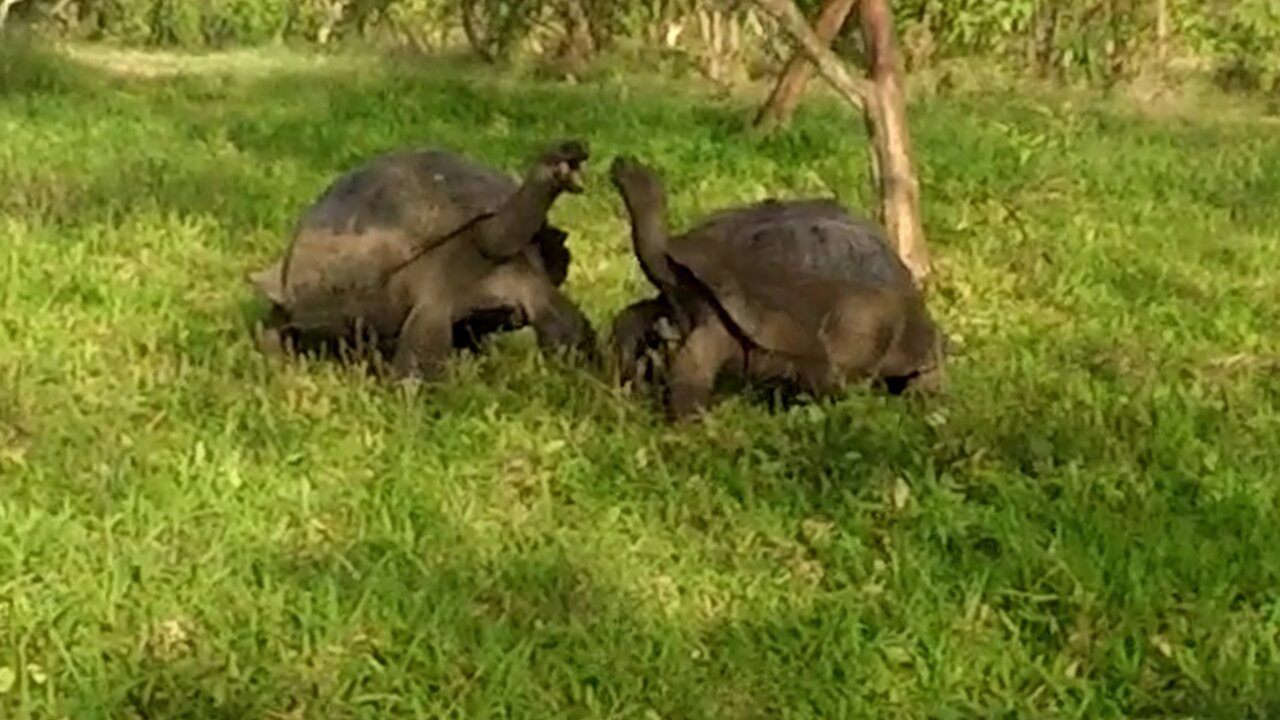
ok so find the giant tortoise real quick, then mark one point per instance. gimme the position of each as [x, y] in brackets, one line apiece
[425, 251]
[797, 291]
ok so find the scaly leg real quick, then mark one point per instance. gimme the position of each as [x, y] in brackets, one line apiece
[269, 335]
[557, 320]
[560, 324]
[632, 334]
[858, 333]
[425, 342]
[693, 374]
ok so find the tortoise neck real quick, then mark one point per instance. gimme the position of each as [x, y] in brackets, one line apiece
[527, 209]
[514, 226]
[649, 234]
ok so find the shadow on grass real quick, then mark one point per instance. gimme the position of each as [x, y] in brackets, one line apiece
[418, 620]
[422, 624]
[28, 69]
[328, 122]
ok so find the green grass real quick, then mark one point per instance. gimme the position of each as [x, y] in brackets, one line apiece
[1086, 526]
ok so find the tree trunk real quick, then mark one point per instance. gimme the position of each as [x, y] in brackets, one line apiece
[1162, 32]
[5, 7]
[582, 40]
[880, 99]
[333, 15]
[781, 105]
[899, 187]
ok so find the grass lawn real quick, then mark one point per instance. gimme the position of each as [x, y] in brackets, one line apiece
[1086, 526]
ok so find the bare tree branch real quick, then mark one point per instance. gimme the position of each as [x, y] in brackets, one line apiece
[857, 91]
[1162, 32]
[5, 7]
[881, 101]
[782, 102]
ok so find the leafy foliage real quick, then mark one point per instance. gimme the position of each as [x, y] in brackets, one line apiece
[1102, 39]
[1094, 40]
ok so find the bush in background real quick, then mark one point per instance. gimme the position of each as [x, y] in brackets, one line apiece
[1093, 41]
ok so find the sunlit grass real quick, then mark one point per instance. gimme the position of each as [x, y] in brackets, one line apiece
[1085, 526]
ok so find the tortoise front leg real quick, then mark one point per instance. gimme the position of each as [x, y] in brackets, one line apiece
[858, 333]
[697, 364]
[560, 324]
[821, 379]
[557, 320]
[631, 334]
[270, 334]
[425, 341]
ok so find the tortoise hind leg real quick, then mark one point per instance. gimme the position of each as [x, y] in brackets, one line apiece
[707, 350]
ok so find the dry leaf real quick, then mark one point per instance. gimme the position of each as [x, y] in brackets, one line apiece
[901, 494]
[1162, 645]
[815, 531]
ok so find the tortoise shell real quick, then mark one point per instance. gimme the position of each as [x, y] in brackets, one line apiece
[779, 269]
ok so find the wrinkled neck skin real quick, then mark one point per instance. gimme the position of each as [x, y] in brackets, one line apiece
[648, 209]
[649, 236]
[513, 227]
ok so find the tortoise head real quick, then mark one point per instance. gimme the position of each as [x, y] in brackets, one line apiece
[931, 376]
[638, 184]
[561, 166]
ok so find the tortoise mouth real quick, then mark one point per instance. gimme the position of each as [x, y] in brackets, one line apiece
[928, 381]
[574, 181]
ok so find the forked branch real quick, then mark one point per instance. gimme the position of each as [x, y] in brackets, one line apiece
[857, 91]
[5, 7]
[781, 105]
[881, 102]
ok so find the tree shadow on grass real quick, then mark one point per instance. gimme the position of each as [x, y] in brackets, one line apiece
[27, 69]
[1088, 538]
[414, 619]
[329, 122]
[1065, 526]
[401, 626]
